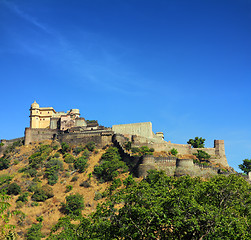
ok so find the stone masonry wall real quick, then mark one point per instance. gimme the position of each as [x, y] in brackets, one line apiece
[143, 129]
[8, 143]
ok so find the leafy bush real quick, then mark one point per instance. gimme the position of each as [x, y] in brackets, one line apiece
[52, 168]
[34, 232]
[128, 145]
[197, 142]
[68, 158]
[42, 194]
[4, 163]
[65, 147]
[74, 205]
[174, 151]
[19, 204]
[110, 165]
[135, 149]
[37, 158]
[74, 179]
[13, 189]
[78, 150]
[85, 184]
[30, 172]
[81, 164]
[23, 197]
[202, 155]
[56, 155]
[144, 150]
[98, 195]
[86, 154]
[5, 178]
[90, 146]
[246, 166]
[68, 188]
[33, 186]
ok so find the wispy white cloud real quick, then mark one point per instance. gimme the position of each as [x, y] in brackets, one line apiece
[14, 8]
[105, 69]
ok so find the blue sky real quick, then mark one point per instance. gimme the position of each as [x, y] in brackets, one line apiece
[183, 65]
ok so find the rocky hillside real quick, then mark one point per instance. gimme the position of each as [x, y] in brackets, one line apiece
[59, 170]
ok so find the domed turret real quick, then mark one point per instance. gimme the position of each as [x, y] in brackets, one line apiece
[34, 105]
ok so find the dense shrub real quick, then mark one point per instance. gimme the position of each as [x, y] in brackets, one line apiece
[68, 158]
[4, 163]
[173, 151]
[52, 167]
[85, 184]
[110, 165]
[90, 146]
[128, 145]
[86, 153]
[56, 155]
[202, 155]
[42, 194]
[34, 232]
[5, 178]
[197, 142]
[36, 159]
[65, 147]
[80, 164]
[74, 205]
[23, 197]
[13, 189]
[68, 188]
[78, 149]
[144, 150]
[74, 179]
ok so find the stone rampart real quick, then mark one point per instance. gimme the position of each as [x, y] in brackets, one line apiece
[100, 137]
[7, 143]
[39, 134]
[142, 129]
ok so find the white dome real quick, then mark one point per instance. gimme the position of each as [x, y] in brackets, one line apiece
[34, 105]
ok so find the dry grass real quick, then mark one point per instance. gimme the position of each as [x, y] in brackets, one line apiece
[50, 209]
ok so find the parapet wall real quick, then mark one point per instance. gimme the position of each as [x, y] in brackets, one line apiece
[142, 129]
[39, 134]
[7, 143]
[100, 137]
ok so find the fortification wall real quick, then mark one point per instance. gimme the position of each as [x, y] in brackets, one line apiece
[210, 151]
[101, 138]
[165, 146]
[7, 143]
[39, 134]
[142, 129]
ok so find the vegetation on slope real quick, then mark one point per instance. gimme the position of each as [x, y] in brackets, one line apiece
[57, 191]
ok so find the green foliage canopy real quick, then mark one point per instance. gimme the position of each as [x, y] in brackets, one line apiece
[202, 155]
[197, 142]
[110, 165]
[246, 166]
[162, 207]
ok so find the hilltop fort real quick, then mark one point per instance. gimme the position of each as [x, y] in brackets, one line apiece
[69, 127]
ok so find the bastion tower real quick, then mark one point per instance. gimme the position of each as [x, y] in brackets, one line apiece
[34, 115]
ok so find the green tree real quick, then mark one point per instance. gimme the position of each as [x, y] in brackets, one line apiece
[174, 151]
[246, 166]
[90, 146]
[74, 205]
[34, 232]
[14, 189]
[197, 142]
[110, 165]
[81, 164]
[202, 155]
